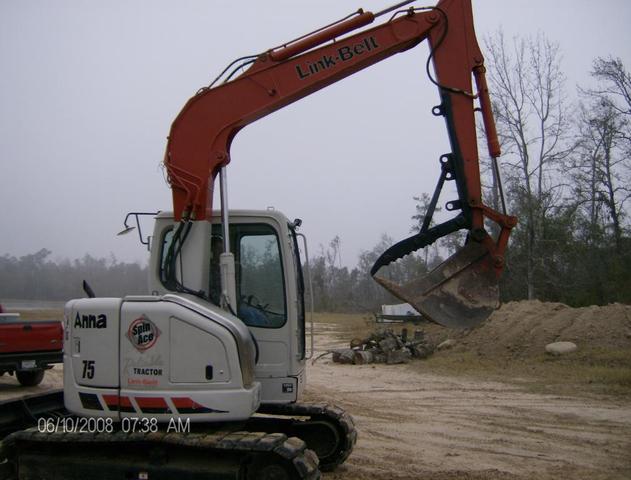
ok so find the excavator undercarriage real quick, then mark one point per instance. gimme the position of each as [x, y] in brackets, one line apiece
[280, 442]
[216, 453]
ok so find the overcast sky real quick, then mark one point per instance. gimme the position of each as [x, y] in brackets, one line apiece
[88, 91]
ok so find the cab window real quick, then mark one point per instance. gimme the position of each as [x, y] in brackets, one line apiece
[261, 300]
[259, 274]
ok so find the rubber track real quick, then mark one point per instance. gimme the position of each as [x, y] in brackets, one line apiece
[292, 449]
[332, 413]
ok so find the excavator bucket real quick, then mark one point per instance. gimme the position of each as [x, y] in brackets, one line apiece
[461, 292]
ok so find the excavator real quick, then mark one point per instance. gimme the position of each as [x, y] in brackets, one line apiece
[202, 377]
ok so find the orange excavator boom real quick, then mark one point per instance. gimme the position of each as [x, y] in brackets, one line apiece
[199, 142]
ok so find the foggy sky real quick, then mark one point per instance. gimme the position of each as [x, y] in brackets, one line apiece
[89, 89]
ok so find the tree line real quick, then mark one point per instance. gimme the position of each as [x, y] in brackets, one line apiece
[567, 168]
[37, 277]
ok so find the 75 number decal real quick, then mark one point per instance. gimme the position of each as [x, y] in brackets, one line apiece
[88, 369]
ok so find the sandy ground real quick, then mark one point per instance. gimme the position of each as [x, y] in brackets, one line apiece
[422, 425]
[419, 425]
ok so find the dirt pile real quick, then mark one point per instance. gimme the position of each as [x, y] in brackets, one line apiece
[523, 329]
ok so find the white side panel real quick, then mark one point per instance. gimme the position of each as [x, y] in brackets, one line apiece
[196, 356]
[178, 361]
[157, 337]
[92, 341]
[144, 346]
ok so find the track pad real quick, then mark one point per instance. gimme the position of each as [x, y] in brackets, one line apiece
[461, 292]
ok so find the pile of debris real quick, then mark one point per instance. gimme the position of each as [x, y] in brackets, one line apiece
[385, 347]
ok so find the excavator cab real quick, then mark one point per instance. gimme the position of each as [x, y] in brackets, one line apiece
[268, 286]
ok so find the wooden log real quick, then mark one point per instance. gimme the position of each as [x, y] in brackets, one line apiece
[344, 356]
[358, 342]
[362, 357]
[378, 357]
[421, 351]
[388, 344]
[398, 356]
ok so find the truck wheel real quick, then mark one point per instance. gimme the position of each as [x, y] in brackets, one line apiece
[30, 378]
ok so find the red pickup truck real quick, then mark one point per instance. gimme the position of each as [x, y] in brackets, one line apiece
[28, 348]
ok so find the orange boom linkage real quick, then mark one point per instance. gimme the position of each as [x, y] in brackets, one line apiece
[463, 290]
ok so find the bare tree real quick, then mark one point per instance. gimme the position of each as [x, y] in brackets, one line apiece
[603, 167]
[615, 90]
[533, 125]
[615, 86]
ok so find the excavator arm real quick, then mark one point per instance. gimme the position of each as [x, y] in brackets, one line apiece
[199, 142]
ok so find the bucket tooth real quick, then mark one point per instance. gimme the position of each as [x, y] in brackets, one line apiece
[461, 292]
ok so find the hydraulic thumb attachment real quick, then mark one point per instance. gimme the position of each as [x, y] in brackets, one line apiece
[462, 291]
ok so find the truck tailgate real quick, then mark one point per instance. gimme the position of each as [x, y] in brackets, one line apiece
[24, 336]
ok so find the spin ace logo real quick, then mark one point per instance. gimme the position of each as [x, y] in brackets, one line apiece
[143, 333]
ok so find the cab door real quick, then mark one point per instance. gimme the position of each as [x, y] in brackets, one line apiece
[262, 305]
